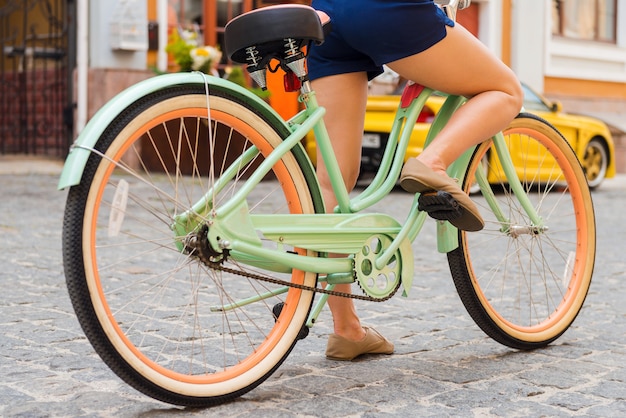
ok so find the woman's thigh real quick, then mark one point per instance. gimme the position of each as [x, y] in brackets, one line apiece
[459, 64]
[344, 96]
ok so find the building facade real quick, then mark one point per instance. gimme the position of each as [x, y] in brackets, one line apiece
[573, 51]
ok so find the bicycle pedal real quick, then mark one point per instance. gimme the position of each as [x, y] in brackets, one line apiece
[440, 205]
[277, 309]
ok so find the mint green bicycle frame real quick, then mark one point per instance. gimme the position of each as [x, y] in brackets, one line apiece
[232, 227]
[345, 231]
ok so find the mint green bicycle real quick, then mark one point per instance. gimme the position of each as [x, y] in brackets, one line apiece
[195, 236]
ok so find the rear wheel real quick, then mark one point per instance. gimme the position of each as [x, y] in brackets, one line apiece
[524, 285]
[167, 323]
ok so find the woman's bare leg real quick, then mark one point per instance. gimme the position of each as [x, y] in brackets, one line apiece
[344, 96]
[460, 64]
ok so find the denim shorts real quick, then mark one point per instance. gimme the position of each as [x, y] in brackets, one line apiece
[369, 33]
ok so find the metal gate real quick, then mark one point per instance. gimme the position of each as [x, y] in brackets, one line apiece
[36, 109]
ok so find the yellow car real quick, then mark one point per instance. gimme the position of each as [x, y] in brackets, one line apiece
[589, 137]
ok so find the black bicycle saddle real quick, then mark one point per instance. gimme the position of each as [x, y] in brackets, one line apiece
[267, 28]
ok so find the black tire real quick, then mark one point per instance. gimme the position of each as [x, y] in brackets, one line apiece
[524, 286]
[157, 315]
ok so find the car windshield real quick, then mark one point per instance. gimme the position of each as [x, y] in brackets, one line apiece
[532, 101]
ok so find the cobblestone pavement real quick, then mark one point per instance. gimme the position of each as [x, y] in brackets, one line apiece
[443, 365]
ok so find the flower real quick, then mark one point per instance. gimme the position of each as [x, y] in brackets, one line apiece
[185, 50]
[191, 37]
[189, 55]
[203, 57]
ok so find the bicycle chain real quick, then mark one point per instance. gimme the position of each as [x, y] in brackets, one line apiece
[197, 251]
[198, 246]
[217, 266]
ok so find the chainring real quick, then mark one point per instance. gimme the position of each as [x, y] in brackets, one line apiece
[375, 282]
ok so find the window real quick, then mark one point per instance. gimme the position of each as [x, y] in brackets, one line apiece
[226, 11]
[208, 17]
[204, 20]
[592, 20]
[186, 13]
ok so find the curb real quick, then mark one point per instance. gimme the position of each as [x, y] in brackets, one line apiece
[27, 165]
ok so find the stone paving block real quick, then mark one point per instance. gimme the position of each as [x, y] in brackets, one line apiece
[443, 366]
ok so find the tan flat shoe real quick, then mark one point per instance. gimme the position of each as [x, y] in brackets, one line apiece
[441, 196]
[340, 348]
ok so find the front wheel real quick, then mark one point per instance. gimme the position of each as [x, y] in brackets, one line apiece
[163, 319]
[524, 284]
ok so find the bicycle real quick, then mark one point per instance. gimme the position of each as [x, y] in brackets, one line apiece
[196, 173]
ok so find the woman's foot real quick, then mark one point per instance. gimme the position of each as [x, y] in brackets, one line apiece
[441, 196]
[340, 348]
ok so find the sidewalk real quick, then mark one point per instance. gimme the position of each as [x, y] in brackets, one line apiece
[443, 364]
[29, 164]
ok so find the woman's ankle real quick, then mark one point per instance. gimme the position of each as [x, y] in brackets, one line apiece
[352, 333]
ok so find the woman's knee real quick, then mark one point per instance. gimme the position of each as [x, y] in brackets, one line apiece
[502, 81]
[514, 96]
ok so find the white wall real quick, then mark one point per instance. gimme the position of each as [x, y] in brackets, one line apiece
[528, 38]
[490, 24]
[100, 53]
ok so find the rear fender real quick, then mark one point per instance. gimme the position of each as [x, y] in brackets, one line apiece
[86, 141]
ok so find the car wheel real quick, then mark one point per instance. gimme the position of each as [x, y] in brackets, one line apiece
[595, 162]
